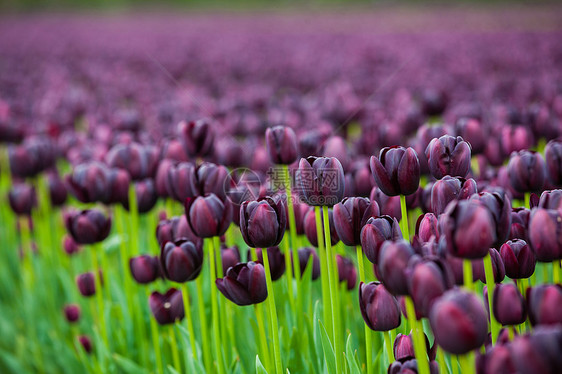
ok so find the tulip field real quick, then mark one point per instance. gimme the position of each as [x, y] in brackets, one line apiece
[359, 192]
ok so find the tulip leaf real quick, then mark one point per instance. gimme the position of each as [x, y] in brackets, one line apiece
[328, 349]
[171, 370]
[259, 367]
[9, 363]
[127, 365]
[188, 351]
[353, 366]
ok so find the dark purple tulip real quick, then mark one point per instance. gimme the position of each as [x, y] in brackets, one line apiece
[508, 304]
[392, 266]
[197, 137]
[172, 149]
[212, 178]
[118, 181]
[22, 199]
[89, 182]
[11, 133]
[320, 180]
[244, 284]
[161, 177]
[538, 352]
[518, 258]
[182, 261]
[425, 197]
[526, 171]
[376, 231]
[494, 152]
[427, 282]
[448, 155]
[396, 171]
[174, 229]
[70, 246]
[403, 348]
[276, 260]
[86, 284]
[310, 227]
[388, 205]
[459, 321]
[448, 189]
[306, 255]
[30, 158]
[144, 268]
[410, 367]
[468, 228]
[379, 308]
[263, 222]
[230, 257]
[231, 153]
[551, 200]
[519, 223]
[335, 146]
[57, 190]
[427, 227]
[138, 160]
[474, 132]
[346, 271]
[181, 182]
[543, 304]
[553, 158]
[499, 205]
[350, 215]
[361, 177]
[497, 360]
[545, 234]
[498, 268]
[86, 343]
[88, 226]
[167, 308]
[300, 212]
[72, 312]
[281, 144]
[208, 215]
[433, 101]
[146, 195]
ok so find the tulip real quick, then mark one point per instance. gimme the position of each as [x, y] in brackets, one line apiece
[208, 215]
[553, 158]
[72, 312]
[499, 206]
[411, 367]
[181, 182]
[378, 307]
[538, 352]
[70, 246]
[396, 171]
[174, 229]
[448, 189]
[86, 343]
[86, 284]
[392, 266]
[508, 305]
[276, 261]
[310, 227]
[433, 101]
[404, 348]
[57, 190]
[244, 284]
[545, 234]
[140, 161]
[459, 321]
[231, 153]
[361, 178]
[197, 137]
[389, 205]
[146, 196]
[230, 257]
[474, 132]
[88, 226]
[88, 182]
[167, 308]
[30, 158]
[118, 182]
[161, 177]
[263, 222]
[281, 144]
[515, 138]
[518, 258]
[211, 178]
[181, 261]
[22, 199]
[427, 227]
[144, 268]
[350, 215]
[428, 280]
[468, 229]
[376, 231]
[519, 223]
[346, 271]
[448, 155]
[526, 171]
[543, 304]
[320, 180]
[497, 360]
[305, 255]
[551, 200]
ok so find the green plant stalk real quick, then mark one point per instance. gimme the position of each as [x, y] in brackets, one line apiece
[368, 348]
[404, 220]
[292, 226]
[189, 318]
[528, 200]
[134, 219]
[556, 271]
[99, 292]
[332, 274]
[203, 323]
[418, 339]
[467, 363]
[118, 217]
[467, 274]
[388, 346]
[262, 338]
[289, 273]
[174, 348]
[490, 284]
[272, 315]
[455, 360]
[155, 342]
[215, 309]
[324, 278]
[222, 307]
[442, 363]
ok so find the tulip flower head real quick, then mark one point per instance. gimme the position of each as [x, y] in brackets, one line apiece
[379, 308]
[396, 170]
[244, 284]
[263, 222]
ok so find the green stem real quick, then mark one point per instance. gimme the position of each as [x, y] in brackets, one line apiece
[215, 309]
[174, 348]
[556, 271]
[189, 319]
[222, 320]
[99, 292]
[324, 276]
[441, 359]
[417, 338]
[404, 220]
[455, 364]
[263, 337]
[528, 200]
[467, 363]
[360, 263]
[272, 314]
[292, 228]
[203, 323]
[368, 355]
[490, 284]
[467, 274]
[389, 348]
[134, 219]
[156, 342]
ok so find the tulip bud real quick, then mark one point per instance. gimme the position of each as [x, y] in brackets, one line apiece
[263, 222]
[361, 178]
[320, 181]
[545, 234]
[396, 171]
[244, 284]
[379, 308]
[181, 182]
[538, 352]
[161, 178]
[140, 161]
[230, 257]
[433, 101]
[197, 137]
[428, 281]
[350, 215]
[508, 304]
[146, 196]
[181, 261]
[306, 255]
[118, 182]
[427, 227]
[276, 261]
[448, 189]
[403, 348]
[448, 155]
[86, 343]
[88, 226]
[519, 223]
[543, 304]
[310, 227]
[281, 144]
[553, 158]
[174, 229]
[392, 265]
[86, 284]
[518, 258]
[474, 132]
[468, 228]
[526, 171]
[346, 271]
[231, 153]
[499, 206]
[300, 212]
[22, 198]
[57, 190]
[497, 360]
[208, 216]
[376, 231]
[88, 182]
[459, 321]
[144, 268]
[551, 200]
[389, 205]
[167, 308]
[70, 246]
[212, 178]
[72, 312]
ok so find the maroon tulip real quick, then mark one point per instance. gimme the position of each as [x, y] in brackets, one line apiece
[197, 137]
[428, 280]
[161, 177]
[320, 180]
[350, 215]
[553, 158]
[22, 199]
[182, 261]
[427, 227]
[538, 352]
[72, 312]
[305, 255]
[527, 171]
[551, 200]
[543, 304]
[230, 257]
[57, 190]
[497, 360]
[181, 182]
[410, 367]
[70, 246]
[448, 155]
[545, 234]
[86, 284]
[376, 231]
[392, 266]
[86, 343]
[346, 271]
[474, 132]
[448, 189]
[396, 171]
[244, 284]
[145, 268]
[118, 182]
[519, 223]
[378, 307]
[88, 182]
[310, 227]
[281, 144]
[88, 226]
[140, 161]
[212, 178]
[263, 222]
[276, 261]
[499, 206]
[518, 258]
[146, 196]
[389, 205]
[403, 348]
[174, 229]
[508, 305]
[208, 215]
[167, 308]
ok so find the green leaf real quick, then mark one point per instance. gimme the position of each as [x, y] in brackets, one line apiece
[329, 355]
[127, 365]
[10, 364]
[259, 367]
[353, 365]
[172, 370]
